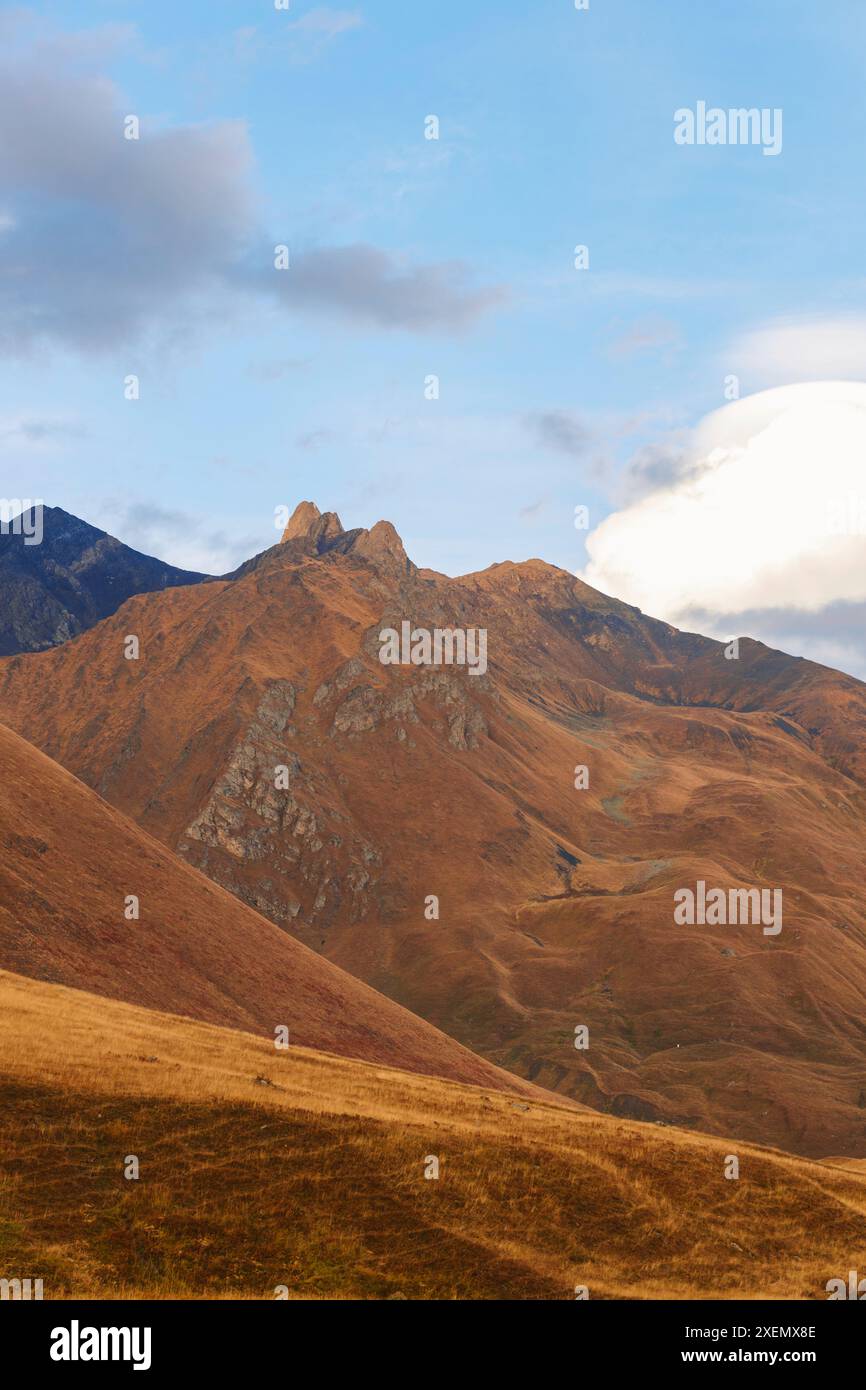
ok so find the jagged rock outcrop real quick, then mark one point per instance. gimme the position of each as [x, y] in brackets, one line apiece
[317, 533]
[320, 531]
[301, 522]
[384, 549]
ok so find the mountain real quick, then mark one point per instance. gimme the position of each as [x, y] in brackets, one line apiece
[76, 575]
[305, 1173]
[260, 736]
[70, 864]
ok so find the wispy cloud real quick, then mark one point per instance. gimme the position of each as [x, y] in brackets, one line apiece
[801, 349]
[654, 336]
[28, 432]
[298, 41]
[531, 511]
[313, 439]
[561, 430]
[182, 538]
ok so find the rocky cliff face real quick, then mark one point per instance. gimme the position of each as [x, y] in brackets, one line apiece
[500, 852]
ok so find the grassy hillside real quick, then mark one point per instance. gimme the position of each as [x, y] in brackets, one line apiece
[316, 1180]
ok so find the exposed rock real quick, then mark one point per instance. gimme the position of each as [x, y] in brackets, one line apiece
[302, 520]
[383, 548]
[252, 820]
[359, 712]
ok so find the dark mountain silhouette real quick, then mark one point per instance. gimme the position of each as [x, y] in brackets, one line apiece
[74, 577]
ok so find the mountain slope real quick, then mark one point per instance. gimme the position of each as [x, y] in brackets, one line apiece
[69, 864]
[314, 1183]
[75, 576]
[555, 902]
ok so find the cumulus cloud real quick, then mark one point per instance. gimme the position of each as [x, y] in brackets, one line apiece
[105, 238]
[760, 528]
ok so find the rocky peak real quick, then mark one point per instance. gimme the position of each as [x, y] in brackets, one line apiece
[315, 532]
[383, 548]
[302, 520]
[321, 530]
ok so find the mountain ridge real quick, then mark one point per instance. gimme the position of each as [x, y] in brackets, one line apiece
[73, 577]
[555, 901]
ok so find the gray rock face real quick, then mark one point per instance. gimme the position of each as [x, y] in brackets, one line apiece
[366, 707]
[266, 806]
[276, 831]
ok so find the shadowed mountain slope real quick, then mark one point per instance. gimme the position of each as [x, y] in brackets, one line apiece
[75, 576]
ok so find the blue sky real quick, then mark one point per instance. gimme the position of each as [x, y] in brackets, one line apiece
[410, 257]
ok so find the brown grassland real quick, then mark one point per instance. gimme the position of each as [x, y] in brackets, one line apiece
[316, 1180]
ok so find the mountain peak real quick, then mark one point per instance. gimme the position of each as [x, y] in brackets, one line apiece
[382, 546]
[307, 521]
[59, 576]
[319, 532]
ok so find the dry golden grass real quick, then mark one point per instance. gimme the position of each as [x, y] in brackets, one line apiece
[316, 1181]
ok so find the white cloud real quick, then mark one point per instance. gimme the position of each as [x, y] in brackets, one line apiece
[815, 349]
[763, 517]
